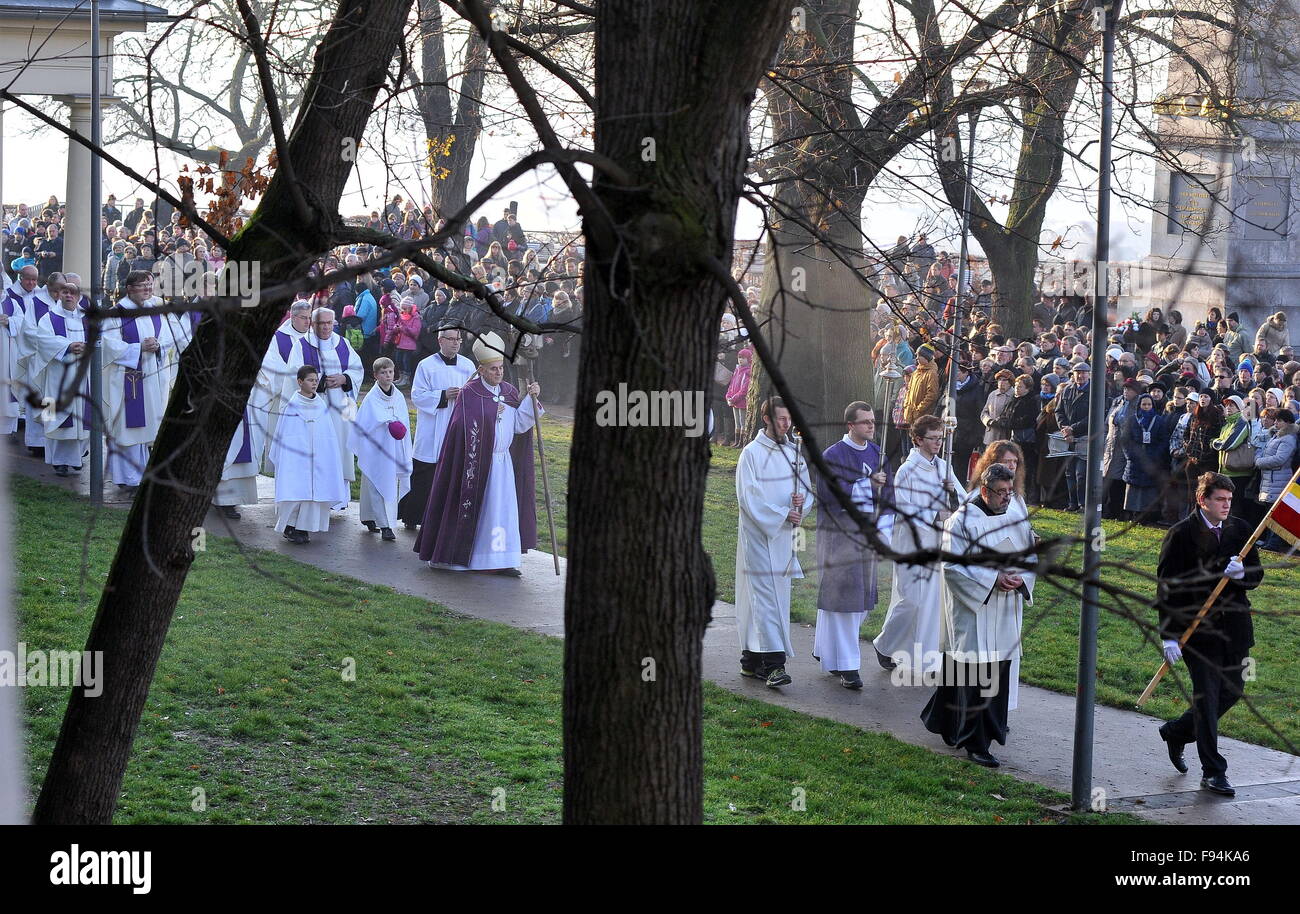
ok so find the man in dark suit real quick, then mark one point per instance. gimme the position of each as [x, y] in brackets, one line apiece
[1197, 551]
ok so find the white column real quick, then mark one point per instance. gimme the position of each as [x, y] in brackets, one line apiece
[76, 237]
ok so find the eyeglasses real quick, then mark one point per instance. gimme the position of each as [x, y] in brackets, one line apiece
[933, 438]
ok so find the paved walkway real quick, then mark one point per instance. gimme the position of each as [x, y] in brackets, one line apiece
[1130, 762]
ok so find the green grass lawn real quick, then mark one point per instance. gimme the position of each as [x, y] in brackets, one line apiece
[1125, 661]
[251, 717]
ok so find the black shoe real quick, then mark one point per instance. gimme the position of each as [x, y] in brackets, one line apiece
[850, 679]
[388, 534]
[748, 673]
[510, 572]
[61, 470]
[36, 452]
[228, 511]
[370, 525]
[1219, 784]
[1175, 752]
[886, 663]
[299, 537]
[982, 758]
[289, 532]
[408, 525]
[778, 677]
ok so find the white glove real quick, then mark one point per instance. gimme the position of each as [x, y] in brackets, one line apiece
[1173, 653]
[1235, 569]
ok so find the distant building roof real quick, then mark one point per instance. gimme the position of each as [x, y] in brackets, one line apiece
[80, 9]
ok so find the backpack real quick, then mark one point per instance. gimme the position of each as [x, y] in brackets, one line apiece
[354, 338]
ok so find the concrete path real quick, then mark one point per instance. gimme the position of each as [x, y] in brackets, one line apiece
[1131, 765]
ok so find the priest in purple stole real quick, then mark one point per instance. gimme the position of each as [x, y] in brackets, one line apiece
[482, 510]
[847, 565]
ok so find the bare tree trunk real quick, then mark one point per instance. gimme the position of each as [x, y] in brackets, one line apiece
[820, 329]
[452, 140]
[155, 552]
[640, 586]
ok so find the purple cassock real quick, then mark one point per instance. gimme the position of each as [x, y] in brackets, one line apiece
[460, 480]
[847, 567]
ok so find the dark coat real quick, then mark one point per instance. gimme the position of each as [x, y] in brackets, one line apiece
[1147, 464]
[1191, 560]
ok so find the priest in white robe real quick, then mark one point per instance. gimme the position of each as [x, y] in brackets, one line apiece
[381, 441]
[275, 382]
[341, 373]
[14, 308]
[60, 343]
[775, 494]
[42, 299]
[306, 455]
[137, 352]
[924, 487]
[983, 610]
[482, 511]
[437, 383]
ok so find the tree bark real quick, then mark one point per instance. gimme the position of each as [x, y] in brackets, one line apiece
[819, 327]
[1061, 39]
[640, 587]
[452, 140]
[155, 553]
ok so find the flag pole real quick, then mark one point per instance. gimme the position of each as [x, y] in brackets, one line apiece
[1214, 595]
[546, 482]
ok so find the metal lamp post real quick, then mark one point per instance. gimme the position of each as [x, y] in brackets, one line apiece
[1086, 688]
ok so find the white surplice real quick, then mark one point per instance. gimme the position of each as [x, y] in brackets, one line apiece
[766, 562]
[981, 624]
[433, 377]
[910, 634]
[385, 461]
[271, 392]
[305, 450]
[12, 374]
[32, 373]
[342, 403]
[56, 367]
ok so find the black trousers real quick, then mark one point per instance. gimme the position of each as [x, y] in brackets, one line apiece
[1216, 671]
[757, 661]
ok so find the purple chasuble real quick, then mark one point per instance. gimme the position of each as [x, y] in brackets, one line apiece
[460, 480]
[133, 380]
[846, 564]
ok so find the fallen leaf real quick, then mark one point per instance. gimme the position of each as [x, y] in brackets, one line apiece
[765, 723]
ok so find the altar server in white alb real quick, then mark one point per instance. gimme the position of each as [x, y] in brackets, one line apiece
[983, 608]
[341, 373]
[775, 494]
[275, 383]
[924, 487]
[138, 352]
[306, 454]
[60, 342]
[13, 313]
[380, 440]
[437, 383]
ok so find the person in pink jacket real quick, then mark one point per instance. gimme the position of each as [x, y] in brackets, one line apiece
[738, 392]
[408, 338]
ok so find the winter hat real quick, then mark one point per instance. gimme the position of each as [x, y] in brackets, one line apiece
[1232, 316]
[1065, 363]
[1241, 404]
[1278, 394]
[388, 285]
[349, 311]
[1114, 353]
[926, 351]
